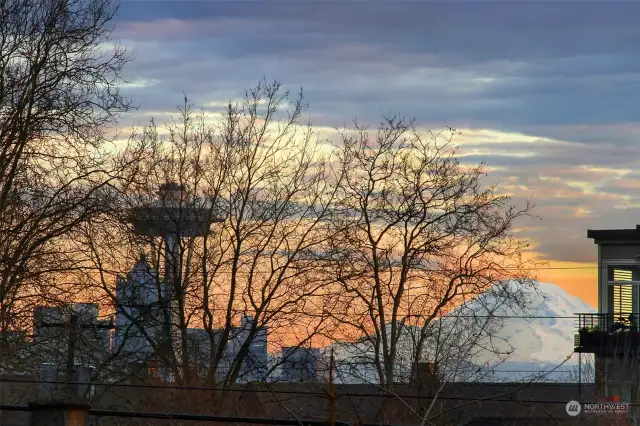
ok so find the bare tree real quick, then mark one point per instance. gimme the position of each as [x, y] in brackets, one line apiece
[417, 234]
[256, 180]
[59, 77]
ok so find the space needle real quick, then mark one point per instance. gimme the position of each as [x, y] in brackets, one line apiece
[172, 218]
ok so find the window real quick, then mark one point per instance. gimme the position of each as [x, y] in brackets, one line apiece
[623, 282]
[623, 298]
[618, 274]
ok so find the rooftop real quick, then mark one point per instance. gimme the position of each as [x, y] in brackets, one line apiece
[614, 234]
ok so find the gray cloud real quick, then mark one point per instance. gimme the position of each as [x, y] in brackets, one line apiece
[550, 63]
[475, 29]
[561, 70]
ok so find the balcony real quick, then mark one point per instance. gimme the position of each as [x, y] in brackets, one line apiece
[608, 334]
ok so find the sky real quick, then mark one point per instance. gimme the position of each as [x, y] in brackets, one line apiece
[545, 93]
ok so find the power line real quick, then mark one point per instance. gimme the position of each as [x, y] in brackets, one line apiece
[469, 398]
[218, 419]
[574, 317]
[542, 268]
[561, 267]
[385, 394]
[505, 316]
[293, 422]
[197, 417]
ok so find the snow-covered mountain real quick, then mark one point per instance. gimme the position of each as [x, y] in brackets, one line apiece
[507, 339]
[539, 343]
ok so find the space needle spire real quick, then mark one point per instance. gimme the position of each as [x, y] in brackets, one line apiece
[172, 217]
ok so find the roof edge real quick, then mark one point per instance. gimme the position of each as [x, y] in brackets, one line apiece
[614, 234]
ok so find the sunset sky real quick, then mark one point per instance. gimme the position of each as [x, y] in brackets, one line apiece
[543, 92]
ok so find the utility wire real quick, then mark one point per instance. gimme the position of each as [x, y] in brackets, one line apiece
[595, 314]
[218, 419]
[249, 390]
[196, 417]
[441, 397]
[541, 268]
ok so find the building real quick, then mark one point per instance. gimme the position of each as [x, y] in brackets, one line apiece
[51, 333]
[55, 327]
[15, 351]
[612, 334]
[254, 364]
[141, 329]
[300, 364]
[139, 314]
[142, 323]
[170, 218]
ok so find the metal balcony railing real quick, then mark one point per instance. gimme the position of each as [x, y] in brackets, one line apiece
[611, 322]
[610, 333]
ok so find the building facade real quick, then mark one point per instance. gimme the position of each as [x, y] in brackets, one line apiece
[254, 363]
[139, 314]
[613, 334]
[54, 329]
[142, 324]
[300, 364]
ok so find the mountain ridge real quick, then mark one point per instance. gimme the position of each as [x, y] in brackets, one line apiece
[537, 336]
